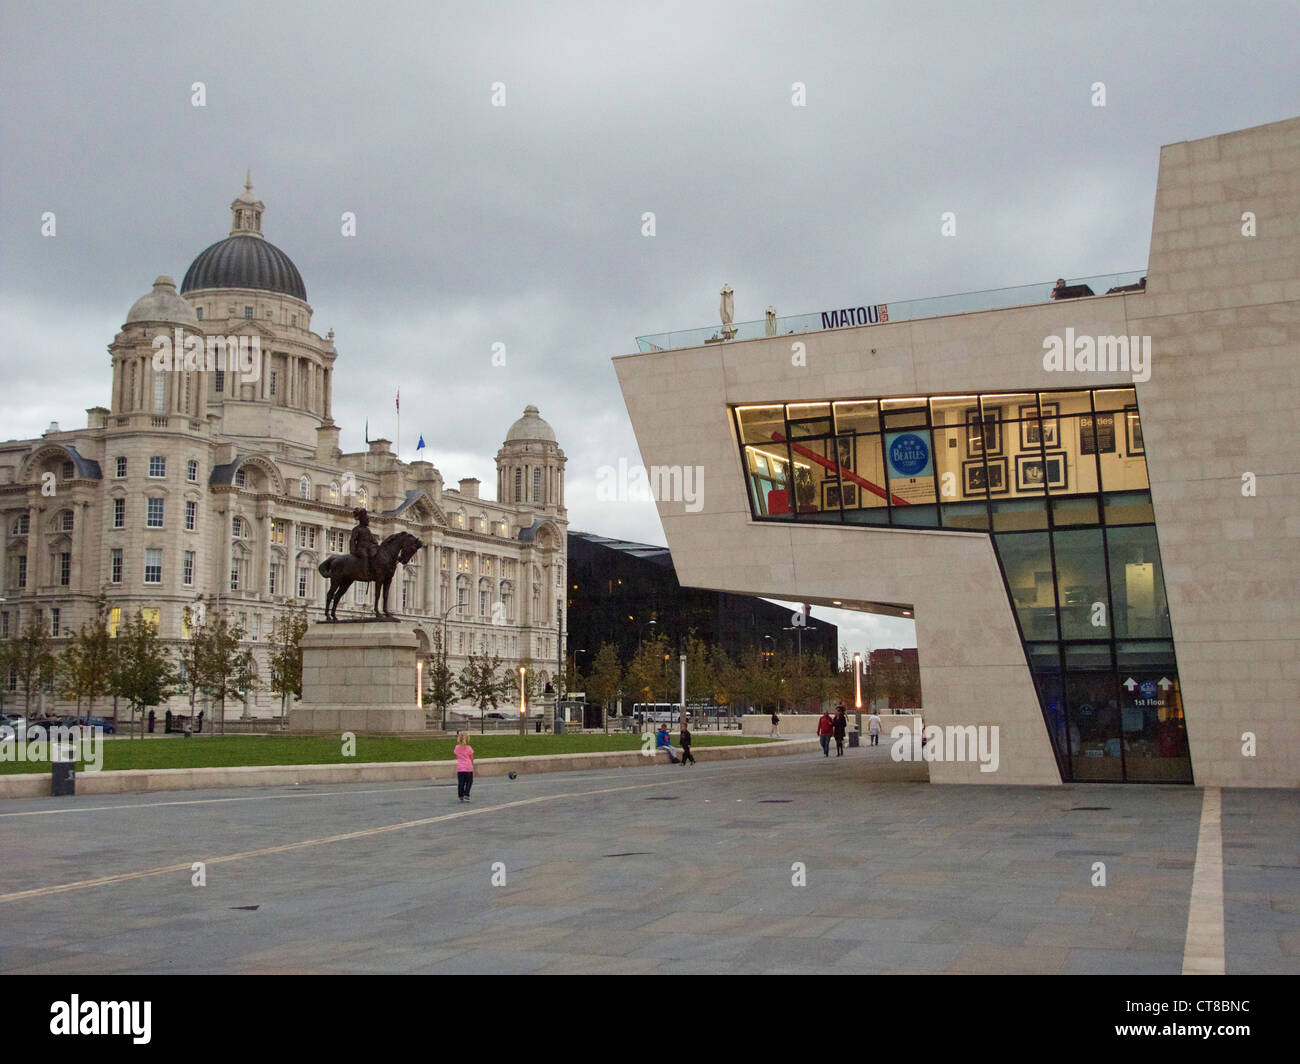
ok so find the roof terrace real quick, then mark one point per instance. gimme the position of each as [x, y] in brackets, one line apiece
[907, 310]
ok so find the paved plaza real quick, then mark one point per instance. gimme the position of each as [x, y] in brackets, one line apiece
[662, 869]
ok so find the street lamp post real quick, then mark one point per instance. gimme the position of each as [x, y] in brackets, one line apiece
[523, 708]
[857, 690]
[443, 679]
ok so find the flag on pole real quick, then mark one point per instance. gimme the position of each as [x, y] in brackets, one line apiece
[420, 446]
[399, 400]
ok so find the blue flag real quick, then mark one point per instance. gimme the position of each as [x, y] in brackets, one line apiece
[420, 445]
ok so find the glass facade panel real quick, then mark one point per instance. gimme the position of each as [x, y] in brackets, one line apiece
[1129, 508]
[1081, 597]
[1137, 583]
[1027, 565]
[758, 424]
[857, 417]
[1151, 708]
[1059, 479]
[1018, 515]
[1093, 714]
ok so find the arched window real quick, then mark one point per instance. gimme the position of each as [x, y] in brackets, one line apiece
[362, 498]
[334, 492]
[241, 479]
[304, 487]
[192, 471]
[239, 527]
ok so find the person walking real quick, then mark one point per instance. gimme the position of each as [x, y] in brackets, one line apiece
[662, 742]
[824, 730]
[684, 738]
[873, 728]
[775, 722]
[464, 766]
[839, 726]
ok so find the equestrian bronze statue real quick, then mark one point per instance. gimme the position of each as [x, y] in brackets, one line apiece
[369, 561]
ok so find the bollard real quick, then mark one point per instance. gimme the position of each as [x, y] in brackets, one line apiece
[63, 770]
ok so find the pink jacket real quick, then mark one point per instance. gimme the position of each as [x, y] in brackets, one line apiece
[464, 758]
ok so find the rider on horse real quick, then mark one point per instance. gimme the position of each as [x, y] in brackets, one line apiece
[363, 545]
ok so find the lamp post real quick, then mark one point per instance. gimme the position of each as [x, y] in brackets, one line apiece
[681, 723]
[445, 692]
[640, 634]
[857, 690]
[523, 708]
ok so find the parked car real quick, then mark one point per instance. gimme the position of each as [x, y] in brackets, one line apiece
[16, 725]
[99, 722]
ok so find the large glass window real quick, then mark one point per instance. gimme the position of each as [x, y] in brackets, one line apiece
[1060, 480]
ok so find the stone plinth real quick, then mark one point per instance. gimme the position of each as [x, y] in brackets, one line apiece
[358, 677]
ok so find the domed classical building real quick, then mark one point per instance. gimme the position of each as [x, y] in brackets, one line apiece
[221, 479]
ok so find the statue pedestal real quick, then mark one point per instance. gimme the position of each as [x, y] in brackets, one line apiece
[358, 677]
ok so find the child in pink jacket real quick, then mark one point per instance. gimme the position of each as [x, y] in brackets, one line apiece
[464, 766]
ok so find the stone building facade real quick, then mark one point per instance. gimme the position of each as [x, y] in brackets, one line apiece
[217, 475]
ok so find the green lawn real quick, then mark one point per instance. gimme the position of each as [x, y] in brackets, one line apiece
[227, 751]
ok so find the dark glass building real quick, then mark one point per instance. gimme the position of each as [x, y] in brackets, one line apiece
[617, 587]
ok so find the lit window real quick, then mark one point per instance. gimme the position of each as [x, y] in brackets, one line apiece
[334, 492]
[114, 621]
[151, 615]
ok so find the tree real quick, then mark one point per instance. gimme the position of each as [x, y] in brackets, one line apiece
[605, 679]
[287, 631]
[141, 671]
[483, 683]
[645, 672]
[31, 656]
[440, 684]
[84, 664]
[226, 665]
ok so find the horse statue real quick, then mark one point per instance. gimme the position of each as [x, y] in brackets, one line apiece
[344, 570]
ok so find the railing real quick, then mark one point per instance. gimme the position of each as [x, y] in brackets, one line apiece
[883, 313]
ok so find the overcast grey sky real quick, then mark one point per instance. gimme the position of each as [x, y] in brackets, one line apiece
[522, 224]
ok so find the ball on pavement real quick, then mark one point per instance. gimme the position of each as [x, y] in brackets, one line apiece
[512, 774]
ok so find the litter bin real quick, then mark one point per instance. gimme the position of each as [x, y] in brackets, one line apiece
[559, 726]
[853, 739]
[539, 726]
[63, 771]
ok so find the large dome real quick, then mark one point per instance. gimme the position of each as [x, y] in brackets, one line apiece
[245, 262]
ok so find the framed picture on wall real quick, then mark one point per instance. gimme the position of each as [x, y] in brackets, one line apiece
[983, 437]
[833, 494]
[843, 451]
[1034, 473]
[1035, 430]
[1097, 434]
[1133, 431]
[976, 480]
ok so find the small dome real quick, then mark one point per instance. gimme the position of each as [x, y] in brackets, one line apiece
[530, 427]
[245, 262]
[163, 304]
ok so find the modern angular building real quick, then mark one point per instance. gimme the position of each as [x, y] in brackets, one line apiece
[1086, 492]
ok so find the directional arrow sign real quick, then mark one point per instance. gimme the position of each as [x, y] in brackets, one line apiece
[1165, 683]
[1130, 683]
